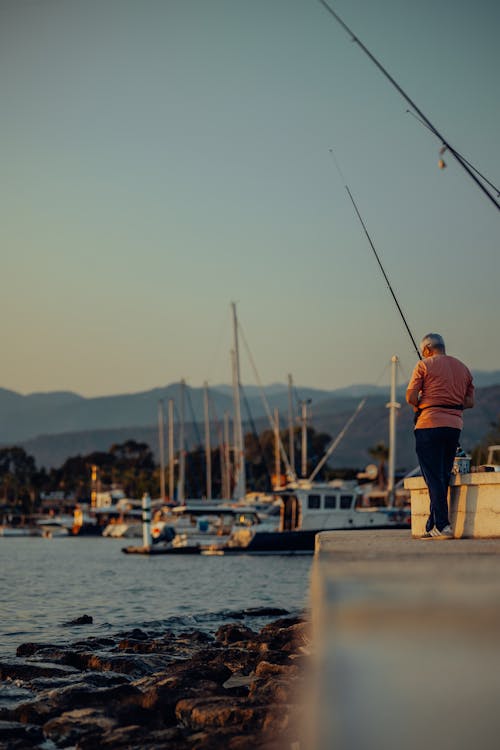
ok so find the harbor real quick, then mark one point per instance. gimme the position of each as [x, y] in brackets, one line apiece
[378, 608]
[250, 384]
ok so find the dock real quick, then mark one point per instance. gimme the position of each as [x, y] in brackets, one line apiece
[407, 646]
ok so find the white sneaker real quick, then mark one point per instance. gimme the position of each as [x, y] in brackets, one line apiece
[446, 533]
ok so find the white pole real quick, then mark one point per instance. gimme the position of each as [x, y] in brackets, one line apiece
[304, 438]
[227, 458]
[208, 448]
[182, 453]
[393, 407]
[240, 486]
[277, 454]
[171, 454]
[146, 520]
[161, 427]
[291, 434]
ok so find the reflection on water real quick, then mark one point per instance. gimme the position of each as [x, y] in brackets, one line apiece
[46, 582]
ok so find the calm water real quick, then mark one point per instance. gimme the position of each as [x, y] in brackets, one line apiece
[46, 582]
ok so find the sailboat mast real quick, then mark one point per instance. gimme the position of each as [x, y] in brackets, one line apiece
[171, 455]
[161, 446]
[182, 452]
[304, 439]
[277, 454]
[208, 449]
[239, 458]
[227, 458]
[291, 434]
[393, 407]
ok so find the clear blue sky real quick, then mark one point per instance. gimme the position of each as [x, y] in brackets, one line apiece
[161, 158]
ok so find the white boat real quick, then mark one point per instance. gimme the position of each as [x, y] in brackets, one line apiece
[121, 520]
[493, 457]
[52, 529]
[16, 531]
[123, 530]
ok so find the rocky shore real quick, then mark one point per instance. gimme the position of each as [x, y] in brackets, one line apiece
[238, 688]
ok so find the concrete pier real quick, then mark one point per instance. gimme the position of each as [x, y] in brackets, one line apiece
[407, 645]
[474, 505]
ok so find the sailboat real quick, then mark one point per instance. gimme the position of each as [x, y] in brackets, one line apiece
[309, 506]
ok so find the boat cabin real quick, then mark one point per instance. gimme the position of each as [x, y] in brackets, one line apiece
[323, 505]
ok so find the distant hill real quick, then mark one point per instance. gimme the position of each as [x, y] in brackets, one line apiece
[328, 415]
[23, 418]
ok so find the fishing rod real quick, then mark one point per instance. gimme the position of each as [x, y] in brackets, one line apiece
[444, 148]
[377, 257]
[412, 104]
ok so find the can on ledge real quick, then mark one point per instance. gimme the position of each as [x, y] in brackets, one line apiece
[461, 465]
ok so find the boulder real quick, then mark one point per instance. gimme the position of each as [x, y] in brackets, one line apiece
[137, 737]
[161, 698]
[265, 612]
[83, 620]
[12, 731]
[289, 638]
[51, 703]
[28, 649]
[95, 679]
[71, 726]
[274, 690]
[266, 669]
[210, 713]
[234, 633]
[26, 671]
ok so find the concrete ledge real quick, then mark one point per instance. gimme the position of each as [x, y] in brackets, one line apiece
[406, 643]
[473, 502]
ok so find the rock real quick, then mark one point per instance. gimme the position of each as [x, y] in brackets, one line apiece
[14, 730]
[234, 633]
[83, 620]
[272, 691]
[284, 622]
[195, 637]
[138, 635]
[95, 679]
[51, 703]
[265, 612]
[121, 663]
[71, 726]
[28, 649]
[238, 684]
[200, 668]
[162, 697]
[138, 738]
[145, 690]
[32, 712]
[288, 638]
[266, 669]
[204, 713]
[26, 671]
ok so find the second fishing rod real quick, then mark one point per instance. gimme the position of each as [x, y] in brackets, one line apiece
[389, 286]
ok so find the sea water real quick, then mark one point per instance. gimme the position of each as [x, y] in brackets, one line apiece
[44, 583]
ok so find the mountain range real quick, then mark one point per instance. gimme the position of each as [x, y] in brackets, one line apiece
[53, 426]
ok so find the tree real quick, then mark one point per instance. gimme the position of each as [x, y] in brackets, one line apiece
[380, 452]
[19, 477]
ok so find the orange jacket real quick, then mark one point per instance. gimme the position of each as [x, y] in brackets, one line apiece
[440, 380]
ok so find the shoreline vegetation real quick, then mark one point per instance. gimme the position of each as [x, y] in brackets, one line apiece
[145, 689]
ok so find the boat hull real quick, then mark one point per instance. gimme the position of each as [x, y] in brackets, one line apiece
[287, 542]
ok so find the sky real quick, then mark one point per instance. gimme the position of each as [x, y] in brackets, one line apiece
[162, 158]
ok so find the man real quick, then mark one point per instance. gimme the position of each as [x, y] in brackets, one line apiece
[439, 389]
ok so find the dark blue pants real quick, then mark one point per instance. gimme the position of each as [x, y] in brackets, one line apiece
[436, 448]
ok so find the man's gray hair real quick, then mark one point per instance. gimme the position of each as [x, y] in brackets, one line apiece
[434, 341]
